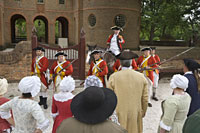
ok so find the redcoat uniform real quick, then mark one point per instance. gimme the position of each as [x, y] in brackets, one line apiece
[115, 42]
[39, 66]
[147, 61]
[117, 65]
[99, 73]
[56, 67]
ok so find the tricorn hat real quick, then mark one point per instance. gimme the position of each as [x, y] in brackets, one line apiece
[60, 53]
[153, 48]
[94, 105]
[146, 48]
[191, 64]
[39, 48]
[127, 55]
[116, 28]
[96, 51]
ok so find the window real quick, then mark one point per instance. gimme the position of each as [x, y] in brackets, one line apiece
[120, 20]
[61, 1]
[92, 20]
[40, 1]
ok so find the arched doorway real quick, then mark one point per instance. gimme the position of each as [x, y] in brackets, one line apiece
[61, 28]
[18, 28]
[41, 25]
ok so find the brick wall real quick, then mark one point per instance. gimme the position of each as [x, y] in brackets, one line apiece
[16, 64]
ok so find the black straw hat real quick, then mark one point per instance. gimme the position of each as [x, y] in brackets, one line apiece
[39, 48]
[191, 64]
[60, 53]
[94, 105]
[127, 55]
[146, 48]
[116, 28]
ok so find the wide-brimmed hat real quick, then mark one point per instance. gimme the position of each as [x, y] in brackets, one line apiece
[92, 81]
[30, 84]
[3, 86]
[146, 48]
[96, 51]
[116, 28]
[127, 55]
[191, 64]
[60, 53]
[192, 123]
[94, 105]
[39, 48]
[179, 81]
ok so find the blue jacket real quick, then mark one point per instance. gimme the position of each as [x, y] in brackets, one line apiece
[192, 90]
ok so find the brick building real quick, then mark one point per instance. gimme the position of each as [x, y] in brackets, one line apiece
[95, 16]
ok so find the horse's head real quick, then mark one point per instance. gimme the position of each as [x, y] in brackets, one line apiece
[91, 47]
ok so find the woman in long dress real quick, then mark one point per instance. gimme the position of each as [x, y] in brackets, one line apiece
[175, 107]
[62, 101]
[5, 121]
[28, 115]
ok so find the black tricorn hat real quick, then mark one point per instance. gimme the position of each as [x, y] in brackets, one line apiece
[153, 48]
[96, 51]
[60, 53]
[146, 48]
[127, 55]
[191, 64]
[94, 105]
[116, 28]
[39, 48]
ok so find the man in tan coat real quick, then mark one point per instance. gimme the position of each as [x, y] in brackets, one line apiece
[131, 89]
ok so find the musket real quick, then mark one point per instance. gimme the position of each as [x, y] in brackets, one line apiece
[164, 61]
[99, 70]
[159, 68]
[55, 74]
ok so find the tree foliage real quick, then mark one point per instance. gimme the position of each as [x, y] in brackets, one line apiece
[170, 19]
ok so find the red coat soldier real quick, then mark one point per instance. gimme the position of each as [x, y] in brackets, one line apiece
[39, 67]
[58, 65]
[117, 65]
[115, 41]
[147, 61]
[98, 67]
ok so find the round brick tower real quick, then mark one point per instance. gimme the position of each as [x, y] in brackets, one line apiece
[99, 16]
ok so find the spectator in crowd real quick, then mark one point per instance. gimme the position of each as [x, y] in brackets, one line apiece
[5, 120]
[27, 113]
[131, 89]
[62, 101]
[175, 107]
[91, 109]
[190, 69]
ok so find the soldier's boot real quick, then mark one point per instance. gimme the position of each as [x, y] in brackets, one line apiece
[154, 97]
[45, 103]
[41, 101]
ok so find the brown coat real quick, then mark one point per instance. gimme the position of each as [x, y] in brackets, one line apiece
[71, 125]
[132, 93]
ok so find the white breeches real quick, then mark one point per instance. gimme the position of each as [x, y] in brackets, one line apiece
[150, 85]
[156, 78]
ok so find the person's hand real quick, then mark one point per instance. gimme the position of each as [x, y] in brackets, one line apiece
[38, 131]
[59, 73]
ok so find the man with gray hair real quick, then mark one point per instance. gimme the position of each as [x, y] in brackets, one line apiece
[131, 89]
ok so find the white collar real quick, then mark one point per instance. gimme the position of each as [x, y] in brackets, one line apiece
[63, 96]
[125, 68]
[188, 72]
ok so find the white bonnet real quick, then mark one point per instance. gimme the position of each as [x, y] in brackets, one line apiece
[179, 81]
[3, 86]
[67, 84]
[30, 84]
[92, 81]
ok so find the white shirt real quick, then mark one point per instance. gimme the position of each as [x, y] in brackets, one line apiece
[114, 46]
